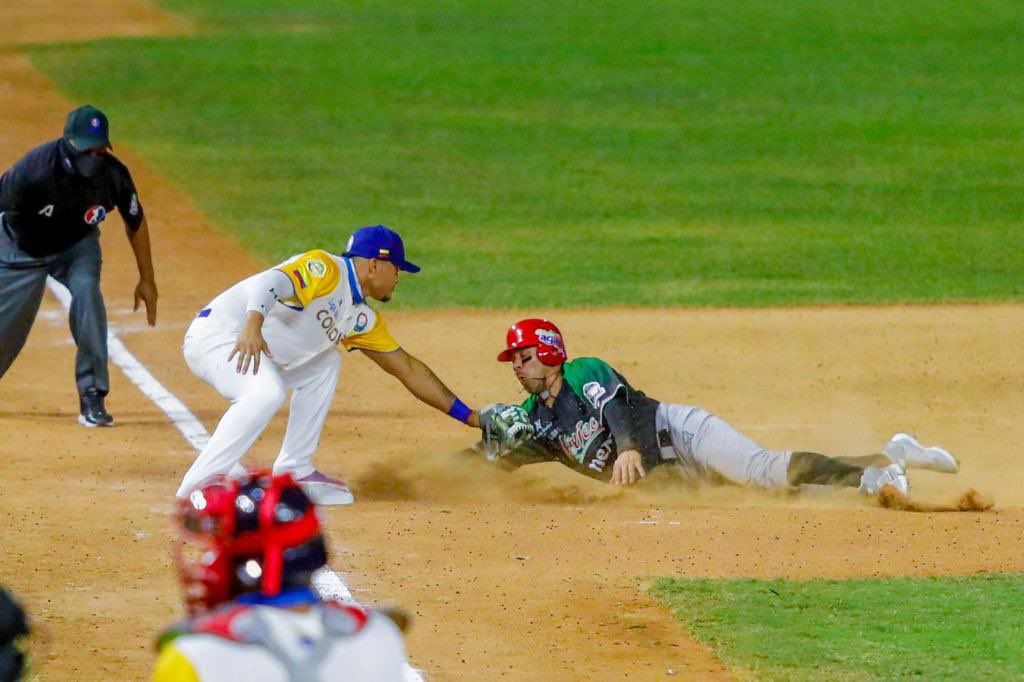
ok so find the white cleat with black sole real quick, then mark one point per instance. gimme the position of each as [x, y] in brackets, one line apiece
[904, 450]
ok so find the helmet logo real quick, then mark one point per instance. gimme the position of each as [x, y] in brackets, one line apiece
[549, 338]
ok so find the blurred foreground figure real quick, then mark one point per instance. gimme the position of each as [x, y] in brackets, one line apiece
[248, 552]
[13, 624]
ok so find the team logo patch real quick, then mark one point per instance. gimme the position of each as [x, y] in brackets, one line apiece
[95, 215]
[594, 392]
[94, 124]
[361, 321]
[133, 207]
[549, 338]
[316, 268]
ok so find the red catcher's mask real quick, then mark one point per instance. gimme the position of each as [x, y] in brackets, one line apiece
[535, 332]
[258, 533]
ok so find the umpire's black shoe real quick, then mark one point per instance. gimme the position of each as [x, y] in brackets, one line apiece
[93, 412]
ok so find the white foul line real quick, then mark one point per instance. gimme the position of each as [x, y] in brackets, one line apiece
[328, 583]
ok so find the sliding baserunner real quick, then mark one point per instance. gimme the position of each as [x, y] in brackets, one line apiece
[585, 414]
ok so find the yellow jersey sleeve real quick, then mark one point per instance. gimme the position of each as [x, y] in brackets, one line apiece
[313, 274]
[377, 338]
[173, 666]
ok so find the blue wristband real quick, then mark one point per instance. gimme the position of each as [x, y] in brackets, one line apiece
[459, 410]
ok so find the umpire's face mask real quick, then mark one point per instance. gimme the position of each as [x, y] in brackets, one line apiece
[88, 163]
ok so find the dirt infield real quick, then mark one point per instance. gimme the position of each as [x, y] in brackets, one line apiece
[536, 575]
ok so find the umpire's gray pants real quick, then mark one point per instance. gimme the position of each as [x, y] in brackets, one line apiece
[22, 283]
[708, 448]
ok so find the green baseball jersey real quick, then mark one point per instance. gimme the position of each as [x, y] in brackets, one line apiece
[595, 415]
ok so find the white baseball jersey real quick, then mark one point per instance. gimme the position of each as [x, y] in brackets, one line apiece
[330, 641]
[325, 308]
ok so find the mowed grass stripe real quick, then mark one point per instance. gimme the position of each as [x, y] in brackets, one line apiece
[553, 153]
[953, 628]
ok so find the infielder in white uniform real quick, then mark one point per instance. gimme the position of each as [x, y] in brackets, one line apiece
[284, 324]
[585, 414]
[251, 547]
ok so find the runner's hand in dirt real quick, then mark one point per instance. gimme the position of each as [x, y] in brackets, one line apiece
[250, 344]
[628, 468]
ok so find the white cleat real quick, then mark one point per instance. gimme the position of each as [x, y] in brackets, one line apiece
[326, 491]
[876, 478]
[908, 453]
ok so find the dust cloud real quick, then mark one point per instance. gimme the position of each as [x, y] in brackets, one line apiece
[467, 477]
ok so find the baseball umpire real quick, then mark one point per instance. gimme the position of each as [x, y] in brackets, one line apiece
[52, 202]
[251, 547]
[585, 414]
[286, 322]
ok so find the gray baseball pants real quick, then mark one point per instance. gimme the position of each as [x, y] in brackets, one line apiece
[22, 283]
[709, 448]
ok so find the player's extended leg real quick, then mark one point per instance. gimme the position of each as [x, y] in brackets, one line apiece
[21, 291]
[862, 461]
[313, 387]
[906, 451]
[79, 270]
[811, 468]
[712, 445]
[255, 399]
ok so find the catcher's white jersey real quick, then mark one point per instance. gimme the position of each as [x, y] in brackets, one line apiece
[287, 646]
[325, 309]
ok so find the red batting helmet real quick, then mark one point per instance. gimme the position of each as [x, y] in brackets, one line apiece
[535, 332]
[258, 533]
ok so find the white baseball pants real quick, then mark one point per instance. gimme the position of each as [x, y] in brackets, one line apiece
[708, 448]
[255, 399]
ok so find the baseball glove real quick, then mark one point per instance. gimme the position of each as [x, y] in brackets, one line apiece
[504, 427]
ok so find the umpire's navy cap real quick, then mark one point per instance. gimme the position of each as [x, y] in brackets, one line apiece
[87, 128]
[380, 243]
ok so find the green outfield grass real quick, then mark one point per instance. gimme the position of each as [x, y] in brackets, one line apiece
[968, 628]
[560, 153]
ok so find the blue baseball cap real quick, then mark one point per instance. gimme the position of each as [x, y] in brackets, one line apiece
[380, 243]
[87, 128]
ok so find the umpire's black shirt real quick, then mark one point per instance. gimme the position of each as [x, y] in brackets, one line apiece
[47, 206]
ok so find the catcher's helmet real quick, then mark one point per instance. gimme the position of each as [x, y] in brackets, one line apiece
[258, 533]
[535, 332]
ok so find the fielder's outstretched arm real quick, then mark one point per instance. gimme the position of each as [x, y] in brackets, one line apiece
[420, 381]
